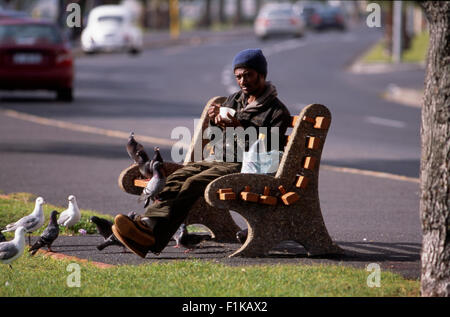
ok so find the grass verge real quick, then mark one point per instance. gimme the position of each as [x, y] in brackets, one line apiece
[415, 54]
[42, 276]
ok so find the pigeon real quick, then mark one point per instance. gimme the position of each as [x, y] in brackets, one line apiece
[154, 186]
[189, 240]
[104, 229]
[32, 222]
[242, 235]
[71, 215]
[157, 156]
[2, 237]
[133, 147]
[11, 250]
[48, 236]
[144, 164]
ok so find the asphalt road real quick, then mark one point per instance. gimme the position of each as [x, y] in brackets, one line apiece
[167, 87]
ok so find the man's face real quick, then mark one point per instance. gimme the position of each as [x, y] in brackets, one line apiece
[249, 80]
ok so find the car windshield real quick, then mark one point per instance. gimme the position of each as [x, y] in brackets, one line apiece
[279, 13]
[111, 19]
[29, 33]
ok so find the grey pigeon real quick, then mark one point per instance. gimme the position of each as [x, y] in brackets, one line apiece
[242, 235]
[32, 222]
[154, 186]
[71, 215]
[144, 164]
[157, 156]
[2, 237]
[189, 240]
[48, 236]
[104, 229]
[133, 147]
[11, 250]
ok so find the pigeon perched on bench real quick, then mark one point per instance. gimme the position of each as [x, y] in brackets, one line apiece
[133, 147]
[48, 236]
[154, 186]
[72, 215]
[189, 240]
[104, 229]
[31, 222]
[12, 250]
[144, 164]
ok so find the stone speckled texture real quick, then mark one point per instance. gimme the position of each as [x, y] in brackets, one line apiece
[268, 225]
[302, 221]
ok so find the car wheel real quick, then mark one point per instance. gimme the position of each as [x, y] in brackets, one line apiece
[134, 51]
[65, 94]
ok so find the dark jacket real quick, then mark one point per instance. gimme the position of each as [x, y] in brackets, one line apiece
[267, 111]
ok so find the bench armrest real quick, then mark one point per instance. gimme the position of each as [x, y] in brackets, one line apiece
[237, 182]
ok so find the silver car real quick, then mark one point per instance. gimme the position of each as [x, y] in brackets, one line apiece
[278, 19]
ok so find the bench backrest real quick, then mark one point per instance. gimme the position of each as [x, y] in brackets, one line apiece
[304, 145]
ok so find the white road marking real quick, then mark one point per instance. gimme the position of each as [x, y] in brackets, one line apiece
[385, 122]
[169, 142]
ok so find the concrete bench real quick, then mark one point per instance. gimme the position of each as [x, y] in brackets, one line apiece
[276, 208]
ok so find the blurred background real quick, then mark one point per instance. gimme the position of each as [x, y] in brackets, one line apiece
[70, 94]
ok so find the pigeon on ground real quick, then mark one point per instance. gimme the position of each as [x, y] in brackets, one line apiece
[48, 236]
[32, 222]
[242, 235]
[189, 240]
[154, 186]
[11, 250]
[133, 147]
[2, 237]
[104, 229]
[71, 215]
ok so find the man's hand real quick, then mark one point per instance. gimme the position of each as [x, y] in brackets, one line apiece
[230, 122]
[213, 111]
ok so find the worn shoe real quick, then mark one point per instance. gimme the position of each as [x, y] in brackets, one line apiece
[134, 247]
[135, 235]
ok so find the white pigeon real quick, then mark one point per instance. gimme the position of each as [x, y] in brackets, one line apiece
[33, 221]
[11, 250]
[71, 215]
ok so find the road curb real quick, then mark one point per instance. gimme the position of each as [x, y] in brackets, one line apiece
[61, 256]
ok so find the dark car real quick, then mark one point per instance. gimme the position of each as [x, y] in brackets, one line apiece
[12, 14]
[34, 55]
[327, 17]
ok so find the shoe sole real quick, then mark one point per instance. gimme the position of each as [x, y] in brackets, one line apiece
[129, 230]
[126, 243]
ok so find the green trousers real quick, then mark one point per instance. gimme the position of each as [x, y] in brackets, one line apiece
[183, 188]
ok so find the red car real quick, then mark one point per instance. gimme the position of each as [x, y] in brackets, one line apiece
[34, 55]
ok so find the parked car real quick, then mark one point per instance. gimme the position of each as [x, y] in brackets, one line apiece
[307, 9]
[328, 17]
[12, 14]
[111, 28]
[278, 19]
[34, 55]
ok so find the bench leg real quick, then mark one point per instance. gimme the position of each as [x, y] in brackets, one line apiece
[219, 221]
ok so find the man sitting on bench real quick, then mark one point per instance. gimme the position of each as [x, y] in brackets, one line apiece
[256, 105]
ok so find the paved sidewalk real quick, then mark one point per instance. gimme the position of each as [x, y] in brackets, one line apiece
[401, 258]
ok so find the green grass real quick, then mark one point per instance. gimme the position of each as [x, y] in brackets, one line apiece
[43, 276]
[16, 205]
[415, 54]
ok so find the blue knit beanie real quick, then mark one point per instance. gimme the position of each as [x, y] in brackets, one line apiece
[251, 58]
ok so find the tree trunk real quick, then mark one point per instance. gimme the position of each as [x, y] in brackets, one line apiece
[435, 161]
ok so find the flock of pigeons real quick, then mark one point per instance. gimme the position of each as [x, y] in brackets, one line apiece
[153, 169]
[11, 250]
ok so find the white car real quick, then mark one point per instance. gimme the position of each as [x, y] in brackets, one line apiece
[111, 28]
[278, 19]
